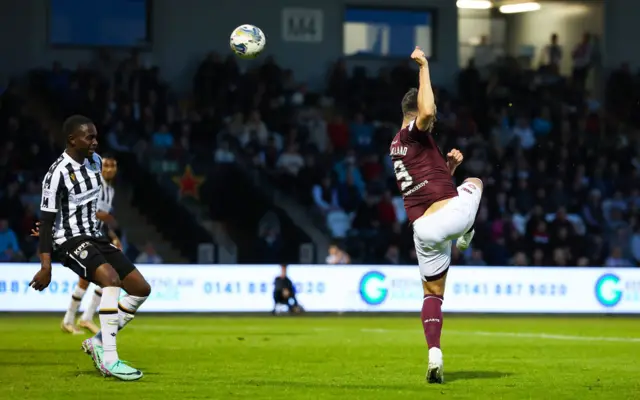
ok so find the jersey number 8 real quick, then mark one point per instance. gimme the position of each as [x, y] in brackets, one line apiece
[402, 175]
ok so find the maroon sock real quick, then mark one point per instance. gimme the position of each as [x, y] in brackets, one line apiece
[431, 316]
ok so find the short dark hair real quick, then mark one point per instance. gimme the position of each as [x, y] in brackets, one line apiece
[71, 124]
[109, 156]
[410, 102]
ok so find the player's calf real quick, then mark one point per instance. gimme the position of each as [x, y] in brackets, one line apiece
[432, 321]
[138, 290]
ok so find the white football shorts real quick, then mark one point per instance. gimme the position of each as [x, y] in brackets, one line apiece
[433, 233]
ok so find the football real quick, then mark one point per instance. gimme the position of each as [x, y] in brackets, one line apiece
[247, 41]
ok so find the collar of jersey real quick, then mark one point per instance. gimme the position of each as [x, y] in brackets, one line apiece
[74, 162]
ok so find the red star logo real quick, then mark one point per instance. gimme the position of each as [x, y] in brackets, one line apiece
[189, 183]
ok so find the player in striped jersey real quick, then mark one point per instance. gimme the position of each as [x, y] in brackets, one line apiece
[70, 195]
[106, 224]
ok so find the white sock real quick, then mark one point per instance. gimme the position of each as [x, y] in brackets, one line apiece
[130, 304]
[127, 308]
[90, 311]
[109, 322]
[76, 299]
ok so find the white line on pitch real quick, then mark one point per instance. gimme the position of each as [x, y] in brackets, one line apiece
[524, 335]
[549, 336]
[267, 328]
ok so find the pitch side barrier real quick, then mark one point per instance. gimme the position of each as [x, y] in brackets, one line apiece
[353, 288]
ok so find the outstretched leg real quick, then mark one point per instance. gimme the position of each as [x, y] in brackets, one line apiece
[473, 187]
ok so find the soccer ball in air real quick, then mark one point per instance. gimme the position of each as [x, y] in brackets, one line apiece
[247, 41]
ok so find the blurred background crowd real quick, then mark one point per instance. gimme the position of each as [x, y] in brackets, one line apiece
[560, 167]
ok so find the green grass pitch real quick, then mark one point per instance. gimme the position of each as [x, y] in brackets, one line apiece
[339, 357]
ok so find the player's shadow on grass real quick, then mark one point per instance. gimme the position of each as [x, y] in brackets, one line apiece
[29, 363]
[451, 376]
[34, 351]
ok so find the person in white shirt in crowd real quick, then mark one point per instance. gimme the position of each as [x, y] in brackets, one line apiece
[524, 132]
[223, 154]
[290, 162]
[254, 125]
[337, 255]
[616, 259]
[325, 195]
[149, 255]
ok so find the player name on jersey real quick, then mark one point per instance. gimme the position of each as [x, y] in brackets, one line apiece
[399, 151]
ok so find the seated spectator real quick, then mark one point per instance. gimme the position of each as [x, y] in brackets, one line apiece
[149, 255]
[9, 249]
[290, 162]
[616, 259]
[338, 134]
[366, 219]
[523, 132]
[392, 255]
[223, 154]
[254, 127]
[476, 258]
[162, 138]
[337, 255]
[542, 124]
[361, 133]
[519, 260]
[349, 195]
[325, 195]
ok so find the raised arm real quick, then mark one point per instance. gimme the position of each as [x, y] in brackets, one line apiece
[426, 100]
[454, 158]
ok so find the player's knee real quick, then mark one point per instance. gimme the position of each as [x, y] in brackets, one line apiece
[145, 289]
[475, 181]
[83, 284]
[434, 288]
[106, 276]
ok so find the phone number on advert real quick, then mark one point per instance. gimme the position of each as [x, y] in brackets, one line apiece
[259, 287]
[510, 289]
[63, 287]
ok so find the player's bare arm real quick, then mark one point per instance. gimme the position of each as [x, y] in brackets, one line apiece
[454, 158]
[426, 101]
[107, 218]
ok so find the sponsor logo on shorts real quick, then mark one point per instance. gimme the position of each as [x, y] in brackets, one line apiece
[81, 250]
[372, 288]
[471, 186]
[467, 190]
[608, 290]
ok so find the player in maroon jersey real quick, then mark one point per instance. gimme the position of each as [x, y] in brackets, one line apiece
[438, 210]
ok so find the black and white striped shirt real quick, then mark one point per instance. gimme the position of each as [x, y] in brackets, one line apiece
[72, 191]
[105, 202]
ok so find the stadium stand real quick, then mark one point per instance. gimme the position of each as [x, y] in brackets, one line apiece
[561, 171]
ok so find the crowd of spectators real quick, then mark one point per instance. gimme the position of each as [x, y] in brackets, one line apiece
[25, 153]
[561, 171]
[27, 148]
